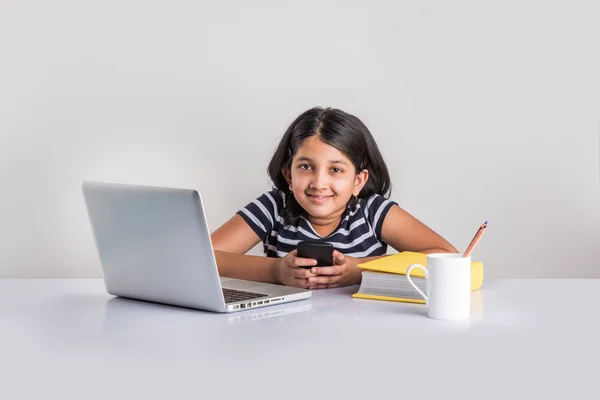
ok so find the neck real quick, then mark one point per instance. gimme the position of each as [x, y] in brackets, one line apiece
[326, 225]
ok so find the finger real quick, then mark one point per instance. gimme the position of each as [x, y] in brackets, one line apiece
[301, 283]
[323, 279]
[338, 258]
[302, 273]
[324, 286]
[304, 262]
[334, 270]
[314, 287]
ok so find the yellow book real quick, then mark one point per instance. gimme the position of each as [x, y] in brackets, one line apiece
[385, 278]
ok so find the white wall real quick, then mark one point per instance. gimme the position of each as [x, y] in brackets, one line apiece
[483, 111]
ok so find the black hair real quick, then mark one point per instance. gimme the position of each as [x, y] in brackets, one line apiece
[341, 130]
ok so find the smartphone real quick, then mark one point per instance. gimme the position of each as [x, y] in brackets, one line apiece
[322, 252]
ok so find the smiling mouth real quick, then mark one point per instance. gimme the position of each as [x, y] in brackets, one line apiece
[318, 199]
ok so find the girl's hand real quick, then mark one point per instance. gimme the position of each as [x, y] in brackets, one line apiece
[288, 270]
[343, 273]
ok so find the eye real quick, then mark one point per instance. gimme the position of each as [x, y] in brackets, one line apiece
[304, 166]
[336, 170]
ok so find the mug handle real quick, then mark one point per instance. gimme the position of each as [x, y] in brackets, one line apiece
[412, 283]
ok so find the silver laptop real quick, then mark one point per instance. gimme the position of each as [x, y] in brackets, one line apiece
[154, 245]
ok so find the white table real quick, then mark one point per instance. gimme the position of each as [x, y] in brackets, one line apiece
[69, 339]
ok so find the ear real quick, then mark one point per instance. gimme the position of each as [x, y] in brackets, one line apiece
[359, 181]
[287, 175]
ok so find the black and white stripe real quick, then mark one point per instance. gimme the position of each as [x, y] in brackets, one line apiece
[357, 235]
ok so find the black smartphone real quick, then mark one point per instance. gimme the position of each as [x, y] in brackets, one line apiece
[322, 252]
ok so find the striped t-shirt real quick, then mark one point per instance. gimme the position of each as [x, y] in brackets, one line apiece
[357, 235]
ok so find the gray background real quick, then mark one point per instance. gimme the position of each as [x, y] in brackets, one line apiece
[483, 111]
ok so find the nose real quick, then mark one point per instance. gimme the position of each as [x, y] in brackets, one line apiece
[320, 179]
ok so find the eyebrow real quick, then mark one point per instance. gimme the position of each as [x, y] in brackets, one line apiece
[331, 162]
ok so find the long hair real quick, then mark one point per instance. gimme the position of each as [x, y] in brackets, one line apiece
[341, 130]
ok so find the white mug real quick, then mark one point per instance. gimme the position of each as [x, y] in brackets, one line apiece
[448, 286]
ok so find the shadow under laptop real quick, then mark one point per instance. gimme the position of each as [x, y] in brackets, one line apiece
[130, 317]
[126, 317]
[278, 312]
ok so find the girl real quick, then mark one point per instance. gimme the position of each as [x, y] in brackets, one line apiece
[331, 185]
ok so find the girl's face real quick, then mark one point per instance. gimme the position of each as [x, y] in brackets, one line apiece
[323, 179]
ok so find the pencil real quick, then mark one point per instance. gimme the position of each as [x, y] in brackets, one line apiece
[475, 240]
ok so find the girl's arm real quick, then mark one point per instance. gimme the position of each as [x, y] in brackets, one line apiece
[231, 242]
[404, 232]
[400, 230]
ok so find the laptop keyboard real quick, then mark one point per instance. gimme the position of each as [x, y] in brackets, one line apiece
[232, 295]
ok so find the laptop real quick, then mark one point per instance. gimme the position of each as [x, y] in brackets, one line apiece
[154, 245]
